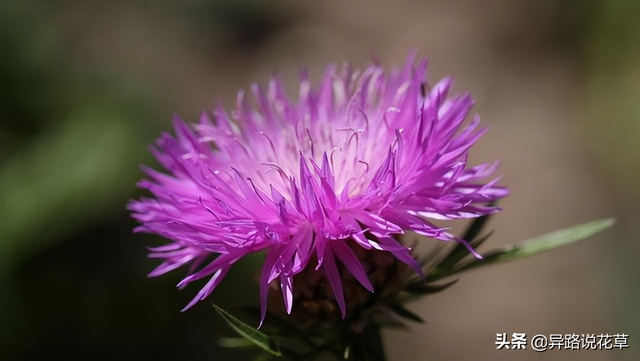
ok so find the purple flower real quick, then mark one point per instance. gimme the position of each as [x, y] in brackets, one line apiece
[365, 157]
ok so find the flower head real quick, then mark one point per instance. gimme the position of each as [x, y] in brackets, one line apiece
[345, 169]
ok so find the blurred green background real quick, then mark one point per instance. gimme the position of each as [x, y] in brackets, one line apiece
[85, 86]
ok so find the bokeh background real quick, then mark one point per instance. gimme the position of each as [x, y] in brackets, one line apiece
[86, 85]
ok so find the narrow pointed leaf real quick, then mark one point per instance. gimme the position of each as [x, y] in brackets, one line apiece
[420, 287]
[234, 342]
[459, 254]
[476, 227]
[442, 259]
[250, 333]
[404, 313]
[534, 246]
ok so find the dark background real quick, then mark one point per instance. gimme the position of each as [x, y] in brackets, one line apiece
[86, 85]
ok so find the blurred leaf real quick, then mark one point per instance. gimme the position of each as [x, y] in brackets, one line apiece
[67, 177]
[470, 235]
[234, 342]
[534, 246]
[459, 253]
[446, 257]
[420, 287]
[404, 313]
[476, 226]
[250, 333]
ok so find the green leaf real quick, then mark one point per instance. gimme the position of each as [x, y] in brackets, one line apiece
[250, 333]
[459, 253]
[420, 287]
[404, 313]
[533, 246]
[476, 227]
[234, 342]
[444, 258]
[470, 235]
